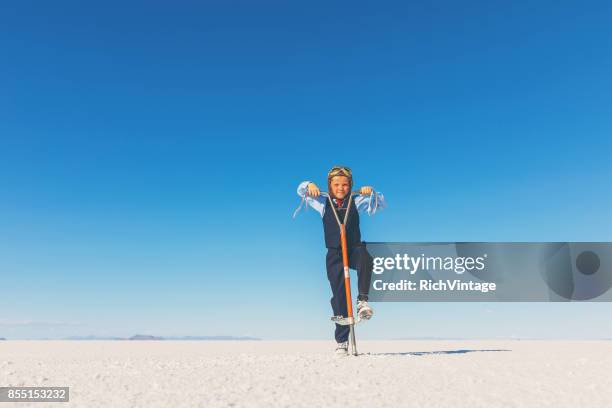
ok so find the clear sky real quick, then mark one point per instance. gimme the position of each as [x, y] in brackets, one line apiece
[150, 152]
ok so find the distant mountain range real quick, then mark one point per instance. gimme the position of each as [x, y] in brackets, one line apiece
[150, 337]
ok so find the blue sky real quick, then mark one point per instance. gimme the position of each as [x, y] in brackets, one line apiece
[149, 155]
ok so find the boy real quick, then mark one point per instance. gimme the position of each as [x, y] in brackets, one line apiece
[340, 183]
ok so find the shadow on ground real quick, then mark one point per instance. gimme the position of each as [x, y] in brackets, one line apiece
[427, 353]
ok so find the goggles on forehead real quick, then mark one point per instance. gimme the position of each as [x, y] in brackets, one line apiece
[340, 171]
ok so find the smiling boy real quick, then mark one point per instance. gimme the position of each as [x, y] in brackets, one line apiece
[340, 183]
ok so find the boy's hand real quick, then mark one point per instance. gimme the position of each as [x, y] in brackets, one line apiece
[365, 190]
[313, 190]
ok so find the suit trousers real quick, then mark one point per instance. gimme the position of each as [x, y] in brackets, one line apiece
[360, 260]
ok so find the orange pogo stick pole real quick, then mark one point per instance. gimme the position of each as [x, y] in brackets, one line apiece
[347, 287]
[347, 277]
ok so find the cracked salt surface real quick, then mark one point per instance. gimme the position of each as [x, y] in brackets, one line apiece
[307, 373]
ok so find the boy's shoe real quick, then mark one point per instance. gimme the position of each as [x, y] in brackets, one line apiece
[364, 311]
[342, 349]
